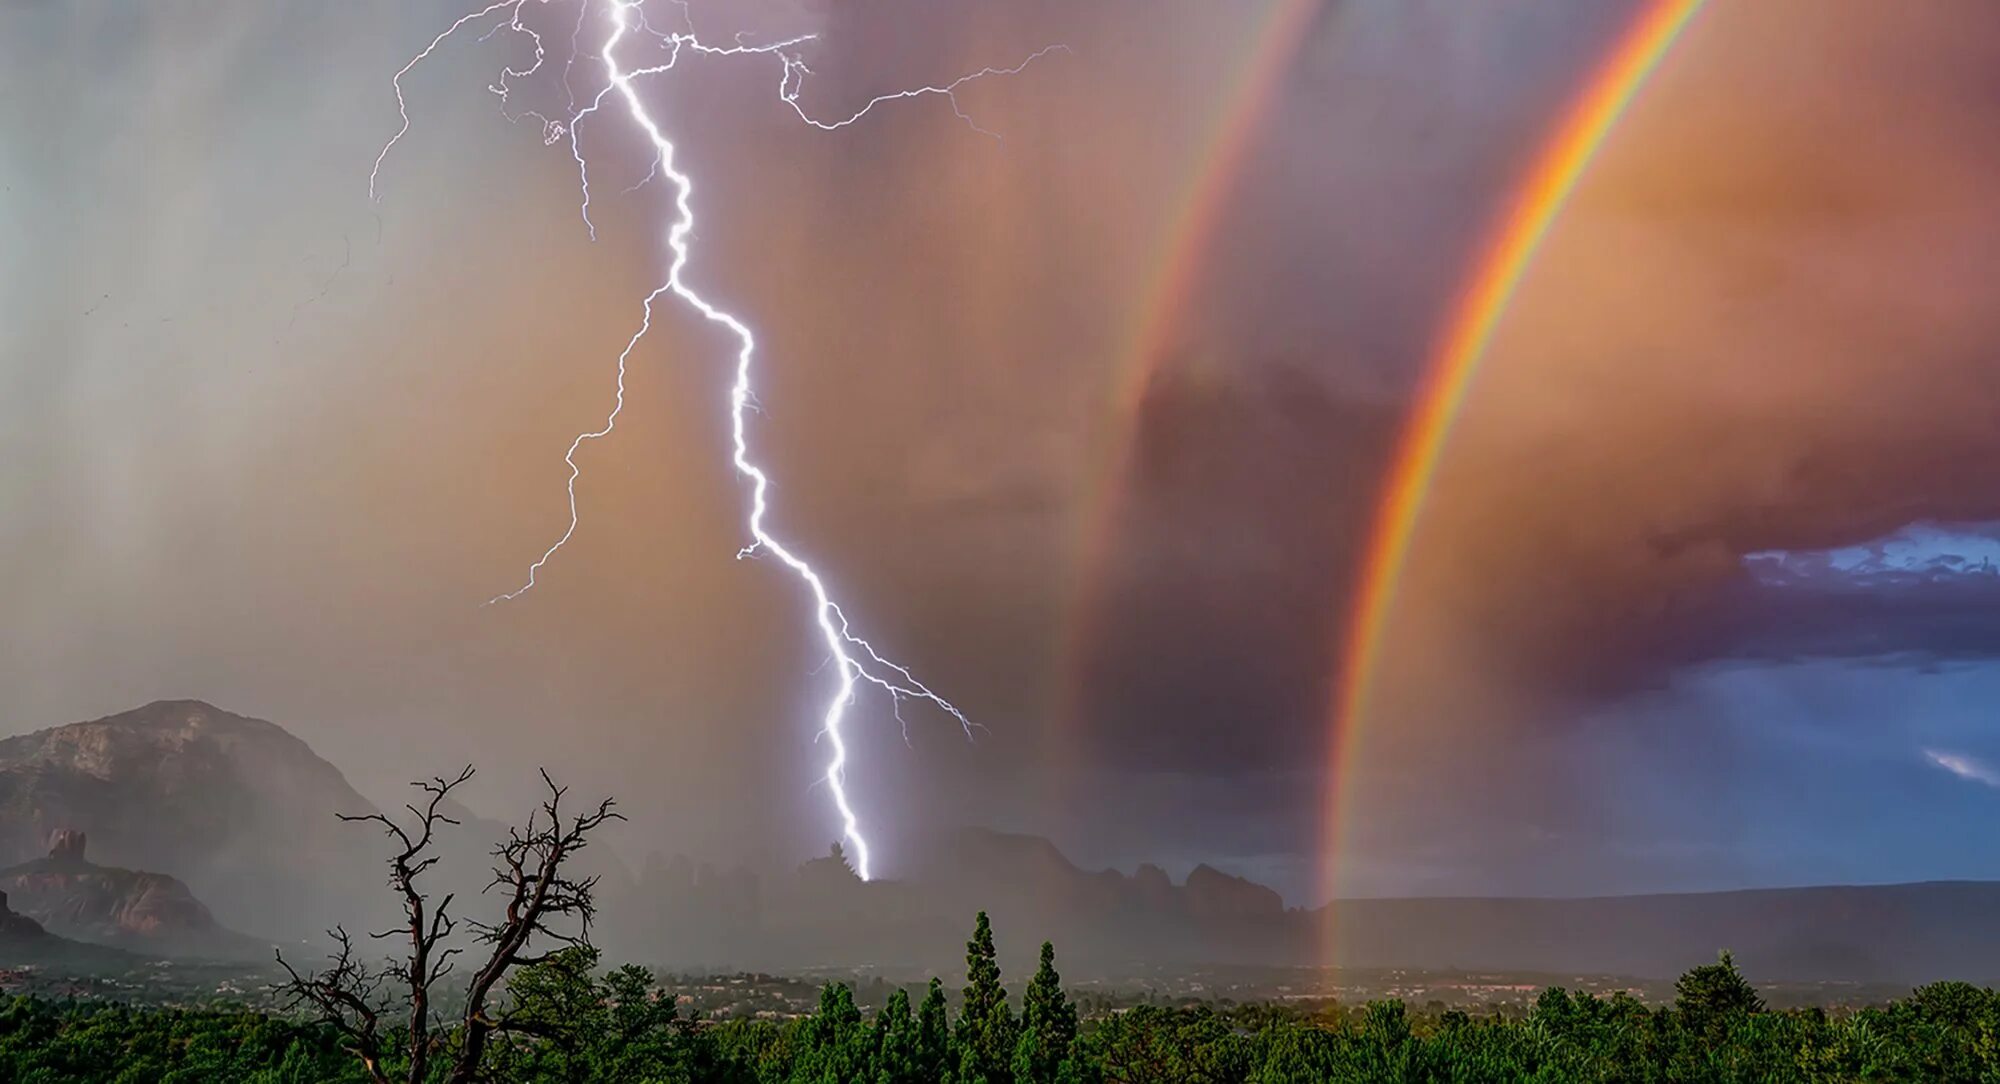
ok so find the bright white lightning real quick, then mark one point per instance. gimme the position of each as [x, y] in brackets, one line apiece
[396, 81]
[855, 659]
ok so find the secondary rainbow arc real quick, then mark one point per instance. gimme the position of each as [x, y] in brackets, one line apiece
[1197, 214]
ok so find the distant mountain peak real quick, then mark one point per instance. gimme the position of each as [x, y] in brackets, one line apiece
[180, 705]
[238, 807]
[195, 715]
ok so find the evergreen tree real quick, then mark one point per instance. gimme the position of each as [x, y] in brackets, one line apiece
[1708, 998]
[560, 1001]
[896, 1043]
[934, 1046]
[573, 1026]
[644, 1032]
[1048, 1027]
[833, 1045]
[985, 1024]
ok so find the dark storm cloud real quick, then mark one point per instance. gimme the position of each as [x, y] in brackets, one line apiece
[1941, 608]
[1228, 581]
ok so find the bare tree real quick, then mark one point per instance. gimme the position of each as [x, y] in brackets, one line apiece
[529, 872]
[542, 904]
[346, 994]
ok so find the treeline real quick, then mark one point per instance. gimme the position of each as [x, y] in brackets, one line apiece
[571, 1022]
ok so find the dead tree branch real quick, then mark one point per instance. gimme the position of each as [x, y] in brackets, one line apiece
[528, 871]
[544, 906]
[346, 994]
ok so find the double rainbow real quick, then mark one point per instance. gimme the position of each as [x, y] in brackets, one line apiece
[1473, 318]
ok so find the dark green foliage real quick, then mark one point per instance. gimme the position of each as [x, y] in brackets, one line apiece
[1152, 1045]
[1713, 996]
[58, 1041]
[833, 1046]
[896, 1059]
[985, 1033]
[568, 1022]
[1044, 1052]
[933, 1035]
[574, 1026]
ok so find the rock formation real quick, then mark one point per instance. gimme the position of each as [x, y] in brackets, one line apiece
[236, 807]
[147, 912]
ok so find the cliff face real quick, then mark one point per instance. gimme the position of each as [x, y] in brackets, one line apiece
[240, 809]
[146, 912]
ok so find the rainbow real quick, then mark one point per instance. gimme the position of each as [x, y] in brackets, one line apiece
[1192, 228]
[1199, 211]
[1503, 262]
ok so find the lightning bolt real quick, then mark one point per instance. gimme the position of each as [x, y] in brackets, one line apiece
[855, 660]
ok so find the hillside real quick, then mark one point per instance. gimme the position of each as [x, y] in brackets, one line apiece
[235, 807]
[25, 943]
[149, 913]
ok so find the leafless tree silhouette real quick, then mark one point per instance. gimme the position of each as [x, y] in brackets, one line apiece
[544, 906]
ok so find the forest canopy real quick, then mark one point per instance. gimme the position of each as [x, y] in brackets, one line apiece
[581, 1022]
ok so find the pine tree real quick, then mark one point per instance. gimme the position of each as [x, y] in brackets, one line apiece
[1709, 996]
[1048, 1026]
[985, 1024]
[833, 1046]
[934, 1047]
[896, 1043]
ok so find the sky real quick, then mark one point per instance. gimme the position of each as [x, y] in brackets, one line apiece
[1703, 595]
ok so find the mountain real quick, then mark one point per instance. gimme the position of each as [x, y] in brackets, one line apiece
[237, 808]
[24, 943]
[237, 814]
[823, 915]
[977, 863]
[1863, 933]
[150, 913]
[1112, 924]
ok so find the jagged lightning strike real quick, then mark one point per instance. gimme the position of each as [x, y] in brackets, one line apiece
[854, 658]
